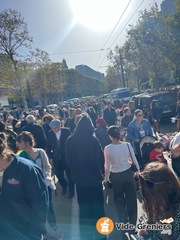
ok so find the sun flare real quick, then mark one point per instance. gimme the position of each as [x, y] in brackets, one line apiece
[98, 15]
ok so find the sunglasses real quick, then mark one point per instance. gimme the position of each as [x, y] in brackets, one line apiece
[140, 115]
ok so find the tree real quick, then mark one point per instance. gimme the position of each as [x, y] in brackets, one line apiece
[150, 44]
[64, 64]
[38, 58]
[13, 36]
[173, 22]
[112, 79]
[7, 75]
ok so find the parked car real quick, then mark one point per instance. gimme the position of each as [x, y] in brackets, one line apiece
[166, 102]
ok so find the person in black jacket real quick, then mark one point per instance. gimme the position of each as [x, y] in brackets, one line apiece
[126, 119]
[85, 156]
[109, 115]
[37, 132]
[56, 140]
[23, 197]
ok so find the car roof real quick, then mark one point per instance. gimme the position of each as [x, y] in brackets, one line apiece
[149, 95]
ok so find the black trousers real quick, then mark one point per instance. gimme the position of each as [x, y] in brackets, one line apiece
[61, 167]
[125, 196]
[91, 208]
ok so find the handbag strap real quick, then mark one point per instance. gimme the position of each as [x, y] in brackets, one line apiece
[129, 152]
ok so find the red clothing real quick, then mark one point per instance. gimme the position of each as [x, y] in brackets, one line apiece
[154, 155]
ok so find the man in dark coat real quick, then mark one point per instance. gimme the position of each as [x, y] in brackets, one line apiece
[37, 132]
[56, 140]
[109, 115]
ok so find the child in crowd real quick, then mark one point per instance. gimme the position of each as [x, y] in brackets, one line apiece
[156, 153]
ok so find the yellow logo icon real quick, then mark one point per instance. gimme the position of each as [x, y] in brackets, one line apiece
[105, 225]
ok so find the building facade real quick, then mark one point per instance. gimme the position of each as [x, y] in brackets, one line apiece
[89, 72]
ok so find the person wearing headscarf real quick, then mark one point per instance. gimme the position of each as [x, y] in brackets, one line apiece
[85, 157]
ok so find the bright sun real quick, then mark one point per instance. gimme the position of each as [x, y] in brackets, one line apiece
[98, 15]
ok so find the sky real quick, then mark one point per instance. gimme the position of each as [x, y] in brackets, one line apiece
[80, 31]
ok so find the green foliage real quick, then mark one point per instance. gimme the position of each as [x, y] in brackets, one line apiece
[151, 50]
[7, 74]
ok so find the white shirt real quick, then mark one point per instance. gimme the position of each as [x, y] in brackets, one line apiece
[116, 158]
[58, 134]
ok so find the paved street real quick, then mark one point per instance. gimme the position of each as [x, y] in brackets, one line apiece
[67, 214]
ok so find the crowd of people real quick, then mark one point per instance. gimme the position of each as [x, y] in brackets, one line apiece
[85, 146]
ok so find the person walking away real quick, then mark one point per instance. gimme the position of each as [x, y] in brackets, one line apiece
[118, 172]
[101, 132]
[37, 131]
[85, 157]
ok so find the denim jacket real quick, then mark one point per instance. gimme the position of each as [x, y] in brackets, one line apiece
[133, 132]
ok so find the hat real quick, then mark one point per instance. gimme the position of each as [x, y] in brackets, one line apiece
[55, 123]
[101, 122]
